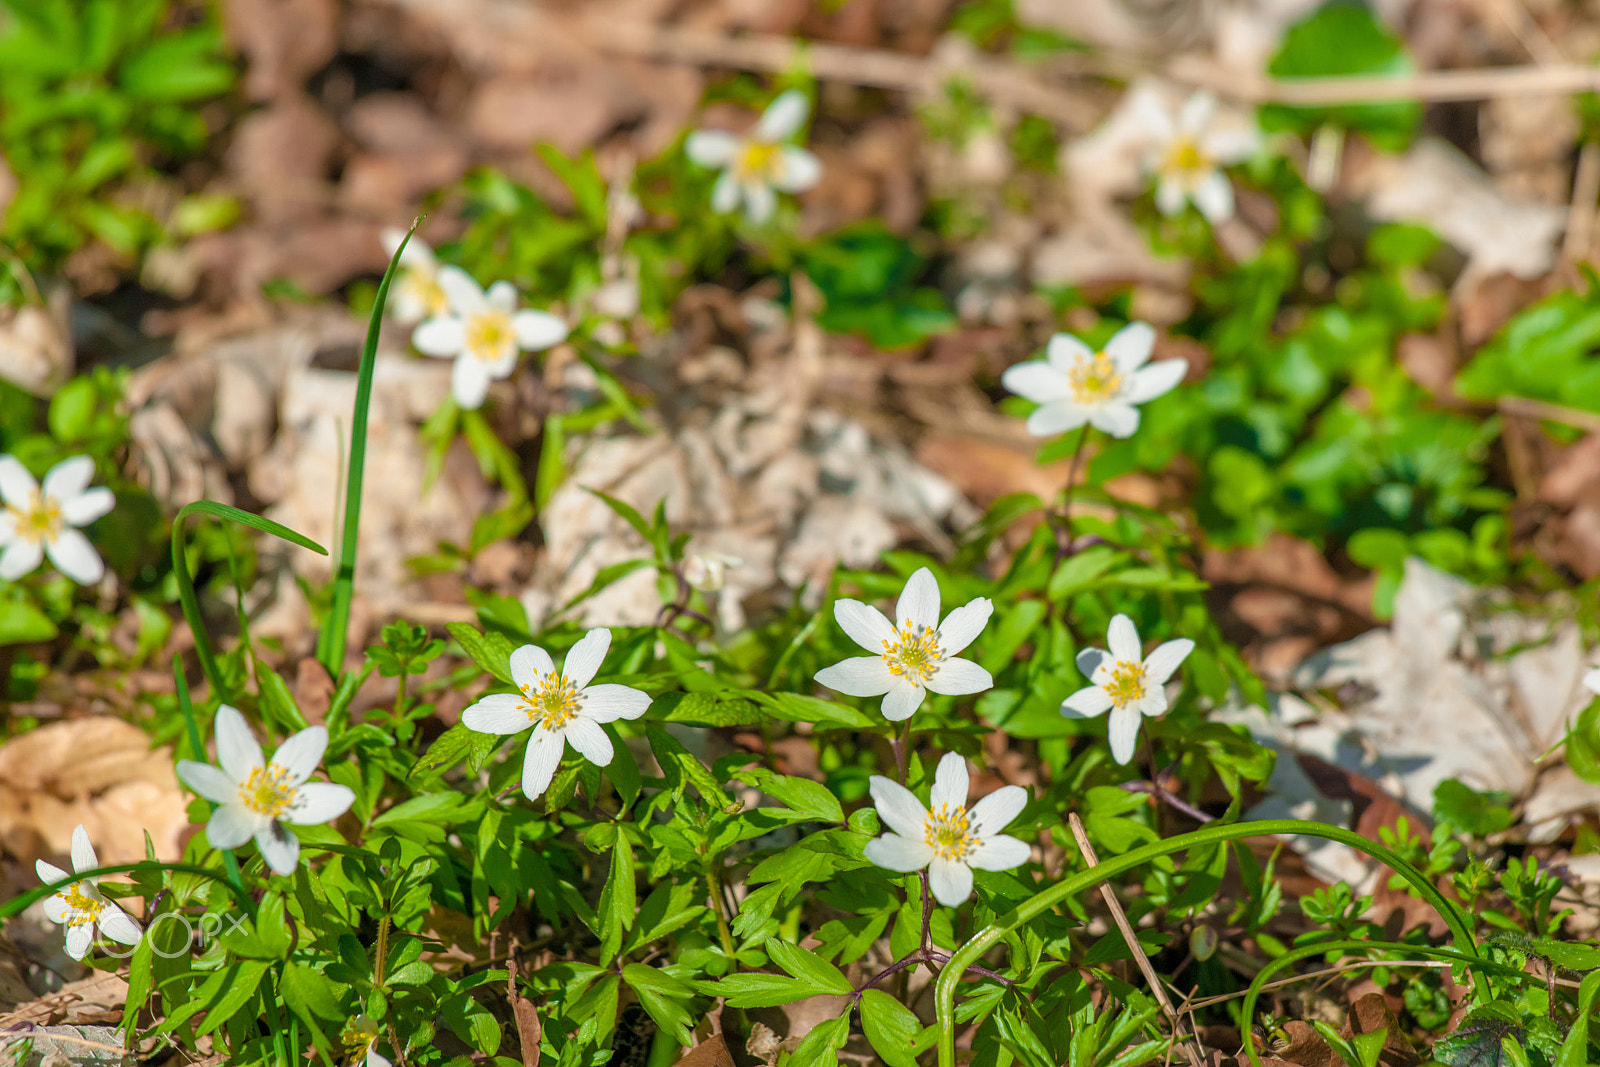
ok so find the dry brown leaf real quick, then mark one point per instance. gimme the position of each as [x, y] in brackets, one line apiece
[712, 1052]
[529, 1030]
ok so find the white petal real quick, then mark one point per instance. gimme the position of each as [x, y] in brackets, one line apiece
[502, 297]
[318, 802]
[864, 676]
[376, 1059]
[538, 330]
[1130, 347]
[999, 853]
[279, 847]
[237, 749]
[1122, 637]
[759, 202]
[1037, 381]
[994, 812]
[1155, 380]
[16, 484]
[79, 938]
[964, 624]
[75, 557]
[1092, 659]
[300, 753]
[1065, 352]
[1592, 680]
[610, 702]
[1213, 195]
[1086, 703]
[497, 713]
[469, 382]
[1196, 113]
[88, 506]
[583, 662]
[1124, 733]
[1154, 701]
[1118, 420]
[902, 700]
[49, 872]
[919, 601]
[1165, 659]
[866, 625]
[68, 478]
[950, 881]
[958, 677]
[711, 148]
[899, 808]
[83, 857]
[56, 909]
[591, 742]
[783, 117]
[1230, 143]
[725, 194]
[1152, 113]
[529, 665]
[208, 781]
[118, 925]
[466, 296]
[444, 336]
[539, 763]
[896, 853]
[950, 783]
[20, 558]
[232, 824]
[1170, 197]
[1057, 418]
[798, 170]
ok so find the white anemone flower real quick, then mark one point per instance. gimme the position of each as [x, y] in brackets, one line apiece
[561, 706]
[360, 1041]
[949, 840]
[914, 654]
[81, 907]
[1188, 153]
[1125, 683]
[483, 332]
[415, 294]
[758, 165]
[1074, 384]
[257, 797]
[39, 521]
[708, 571]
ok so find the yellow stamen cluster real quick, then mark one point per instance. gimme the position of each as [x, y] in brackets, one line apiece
[83, 909]
[40, 521]
[268, 791]
[757, 161]
[913, 653]
[423, 287]
[1126, 684]
[489, 334]
[1184, 157]
[948, 833]
[357, 1038]
[553, 704]
[1094, 379]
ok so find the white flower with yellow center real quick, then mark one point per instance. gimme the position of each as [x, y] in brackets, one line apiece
[949, 840]
[1188, 152]
[1125, 683]
[360, 1041]
[81, 907]
[561, 706]
[42, 520]
[257, 797]
[914, 654]
[757, 166]
[1074, 384]
[415, 294]
[483, 332]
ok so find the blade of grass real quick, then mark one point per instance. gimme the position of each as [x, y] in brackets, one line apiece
[331, 642]
[186, 593]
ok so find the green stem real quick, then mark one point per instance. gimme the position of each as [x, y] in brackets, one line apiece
[724, 932]
[331, 642]
[989, 936]
[16, 905]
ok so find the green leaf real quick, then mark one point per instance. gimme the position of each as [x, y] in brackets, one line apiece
[821, 1046]
[491, 651]
[619, 901]
[1078, 570]
[662, 997]
[683, 769]
[756, 990]
[891, 1027]
[310, 994]
[1575, 1049]
[1473, 812]
[705, 709]
[179, 68]
[21, 623]
[808, 967]
[456, 745]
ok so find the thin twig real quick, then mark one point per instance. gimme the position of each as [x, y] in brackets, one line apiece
[1529, 408]
[1581, 212]
[1190, 1045]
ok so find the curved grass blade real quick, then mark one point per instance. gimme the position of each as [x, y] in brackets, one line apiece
[331, 641]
